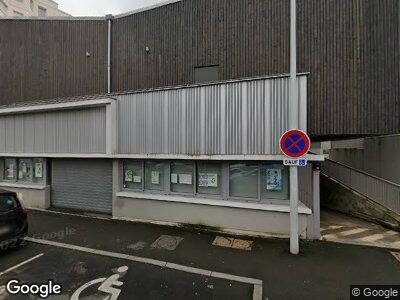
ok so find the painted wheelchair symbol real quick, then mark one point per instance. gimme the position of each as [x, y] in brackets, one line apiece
[107, 285]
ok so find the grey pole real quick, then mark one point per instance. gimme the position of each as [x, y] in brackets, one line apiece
[293, 124]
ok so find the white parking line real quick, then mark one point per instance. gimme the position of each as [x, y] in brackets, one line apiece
[21, 264]
[257, 293]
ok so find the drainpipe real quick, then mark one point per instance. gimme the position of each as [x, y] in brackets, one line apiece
[109, 21]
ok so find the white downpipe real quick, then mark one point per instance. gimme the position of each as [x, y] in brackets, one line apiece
[293, 124]
[109, 54]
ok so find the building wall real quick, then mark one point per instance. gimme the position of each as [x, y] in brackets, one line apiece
[237, 118]
[73, 131]
[46, 59]
[378, 157]
[29, 8]
[350, 47]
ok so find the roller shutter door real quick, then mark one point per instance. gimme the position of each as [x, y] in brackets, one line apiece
[82, 184]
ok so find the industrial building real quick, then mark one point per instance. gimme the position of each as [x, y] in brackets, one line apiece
[174, 113]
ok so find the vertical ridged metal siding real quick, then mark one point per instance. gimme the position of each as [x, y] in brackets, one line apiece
[74, 131]
[43, 59]
[246, 117]
[350, 47]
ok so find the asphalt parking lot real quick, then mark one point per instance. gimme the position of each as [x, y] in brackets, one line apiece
[135, 261]
[81, 275]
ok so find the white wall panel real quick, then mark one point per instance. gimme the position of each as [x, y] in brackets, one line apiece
[63, 131]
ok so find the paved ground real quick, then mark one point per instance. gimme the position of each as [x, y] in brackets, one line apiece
[323, 269]
[346, 229]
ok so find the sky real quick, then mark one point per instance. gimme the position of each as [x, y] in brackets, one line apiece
[102, 7]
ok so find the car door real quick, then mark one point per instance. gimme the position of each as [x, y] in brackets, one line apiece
[9, 216]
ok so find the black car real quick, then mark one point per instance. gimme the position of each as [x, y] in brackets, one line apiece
[13, 220]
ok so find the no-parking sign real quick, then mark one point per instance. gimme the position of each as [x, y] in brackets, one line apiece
[295, 144]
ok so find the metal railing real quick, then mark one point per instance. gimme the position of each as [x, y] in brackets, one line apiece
[377, 189]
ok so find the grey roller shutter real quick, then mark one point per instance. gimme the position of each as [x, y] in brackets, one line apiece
[83, 184]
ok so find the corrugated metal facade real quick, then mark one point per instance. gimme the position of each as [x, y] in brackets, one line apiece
[42, 59]
[73, 131]
[350, 47]
[352, 51]
[231, 118]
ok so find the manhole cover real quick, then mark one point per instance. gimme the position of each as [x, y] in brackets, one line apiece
[229, 242]
[167, 242]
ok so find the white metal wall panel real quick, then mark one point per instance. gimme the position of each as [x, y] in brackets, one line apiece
[63, 131]
[83, 184]
[246, 117]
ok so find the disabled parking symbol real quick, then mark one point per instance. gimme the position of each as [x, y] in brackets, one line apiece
[111, 286]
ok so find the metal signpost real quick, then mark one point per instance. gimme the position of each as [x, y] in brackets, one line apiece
[294, 144]
[293, 123]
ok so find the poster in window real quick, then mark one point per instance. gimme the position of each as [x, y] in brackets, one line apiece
[185, 179]
[137, 179]
[208, 180]
[10, 171]
[174, 178]
[39, 170]
[274, 179]
[155, 177]
[128, 176]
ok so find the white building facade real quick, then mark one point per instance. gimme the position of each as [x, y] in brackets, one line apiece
[30, 8]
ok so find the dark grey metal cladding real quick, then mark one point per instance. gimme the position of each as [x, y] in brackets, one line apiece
[42, 59]
[351, 49]
[83, 184]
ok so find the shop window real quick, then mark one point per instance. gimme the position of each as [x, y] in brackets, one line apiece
[155, 175]
[10, 169]
[182, 177]
[243, 180]
[209, 178]
[38, 170]
[133, 175]
[274, 181]
[25, 170]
